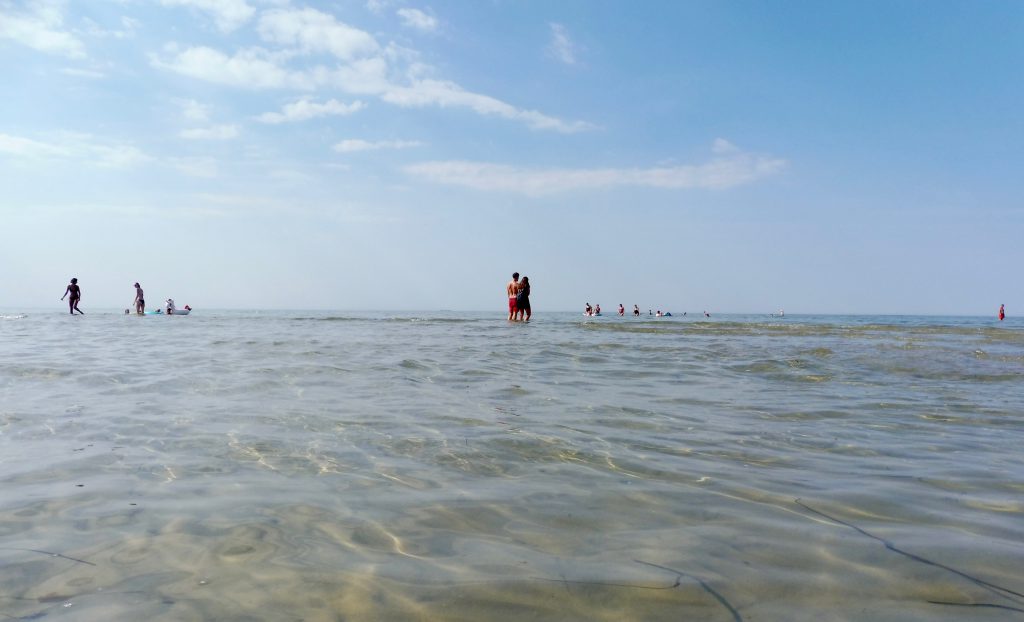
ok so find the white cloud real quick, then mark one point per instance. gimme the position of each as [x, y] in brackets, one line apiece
[365, 68]
[724, 170]
[354, 144]
[40, 30]
[253, 68]
[227, 14]
[448, 94]
[305, 109]
[193, 110]
[128, 28]
[84, 148]
[28, 148]
[313, 31]
[377, 6]
[415, 18]
[561, 46]
[215, 132]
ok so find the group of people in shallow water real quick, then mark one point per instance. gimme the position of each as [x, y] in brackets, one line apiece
[596, 310]
[75, 293]
[518, 291]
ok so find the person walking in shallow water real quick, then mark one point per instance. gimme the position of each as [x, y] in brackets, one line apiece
[1002, 312]
[140, 300]
[76, 294]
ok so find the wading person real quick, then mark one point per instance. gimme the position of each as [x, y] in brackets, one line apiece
[523, 300]
[512, 289]
[76, 294]
[140, 300]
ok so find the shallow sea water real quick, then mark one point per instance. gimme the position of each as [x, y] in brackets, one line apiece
[442, 466]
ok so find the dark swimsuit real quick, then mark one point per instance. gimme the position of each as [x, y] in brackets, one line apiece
[523, 300]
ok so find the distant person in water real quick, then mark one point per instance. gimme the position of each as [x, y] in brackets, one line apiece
[636, 311]
[140, 300]
[706, 314]
[597, 309]
[589, 310]
[523, 311]
[512, 289]
[76, 295]
[1002, 312]
[622, 310]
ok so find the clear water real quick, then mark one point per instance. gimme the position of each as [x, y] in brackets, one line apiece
[442, 466]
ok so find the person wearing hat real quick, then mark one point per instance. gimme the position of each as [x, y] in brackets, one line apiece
[140, 300]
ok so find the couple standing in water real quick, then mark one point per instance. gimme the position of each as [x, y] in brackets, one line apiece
[518, 298]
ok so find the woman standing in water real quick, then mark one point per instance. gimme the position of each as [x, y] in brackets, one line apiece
[76, 295]
[523, 299]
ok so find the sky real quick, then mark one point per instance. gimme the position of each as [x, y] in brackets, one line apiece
[744, 157]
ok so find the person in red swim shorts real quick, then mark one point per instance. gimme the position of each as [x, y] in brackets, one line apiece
[512, 289]
[1002, 312]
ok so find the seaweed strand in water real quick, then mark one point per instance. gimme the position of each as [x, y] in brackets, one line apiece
[707, 588]
[988, 605]
[998, 590]
[60, 555]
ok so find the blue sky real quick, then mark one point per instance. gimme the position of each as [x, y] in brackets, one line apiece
[859, 157]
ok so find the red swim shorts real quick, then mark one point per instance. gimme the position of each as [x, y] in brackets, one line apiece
[511, 304]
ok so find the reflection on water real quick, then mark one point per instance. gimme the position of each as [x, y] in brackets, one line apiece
[323, 467]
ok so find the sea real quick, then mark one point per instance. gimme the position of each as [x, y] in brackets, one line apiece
[311, 465]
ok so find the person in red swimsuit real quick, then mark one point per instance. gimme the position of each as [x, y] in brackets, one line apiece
[1002, 312]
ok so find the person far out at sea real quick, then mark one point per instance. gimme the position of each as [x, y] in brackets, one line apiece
[1002, 312]
[76, 295]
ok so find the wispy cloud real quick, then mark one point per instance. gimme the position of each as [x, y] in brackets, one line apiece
[253, 68]
[353, 145]
[84, 148]
[310, 31]
[415, 18]
[728, 167]
[41, 29]
[305, 109]
[561, 46]
[227, 14]
[192, 110]
[377, 6]
[129, 26]
[363, 67]
[214, 132]
[449, 94]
